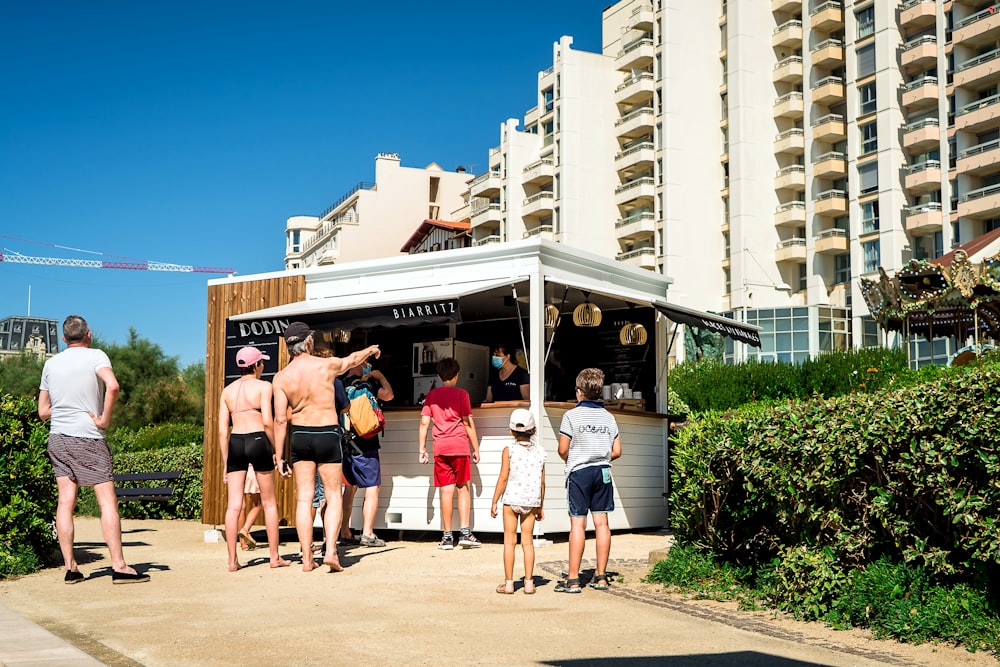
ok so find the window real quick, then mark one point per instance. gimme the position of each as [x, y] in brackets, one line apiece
[866, 98]
[803, 277]
[869, 138]
[868, 177]
[870, 252]
[296, 241]
[869, 217]
[938, 244]
[547, 102]
[866, 21]
[866, 61]
[842, 269]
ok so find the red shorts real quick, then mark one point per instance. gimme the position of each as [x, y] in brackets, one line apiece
[450, 470]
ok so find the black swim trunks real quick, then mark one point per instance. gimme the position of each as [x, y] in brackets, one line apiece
[250, 448]
[319, 444]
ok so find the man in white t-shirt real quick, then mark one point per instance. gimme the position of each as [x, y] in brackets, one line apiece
[78, 393]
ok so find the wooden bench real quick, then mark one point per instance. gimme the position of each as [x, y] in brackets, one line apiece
[146, 492]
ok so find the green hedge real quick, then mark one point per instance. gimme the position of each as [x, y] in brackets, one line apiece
[908, 474]
[156, 436]
[711, 384]
[28, 492]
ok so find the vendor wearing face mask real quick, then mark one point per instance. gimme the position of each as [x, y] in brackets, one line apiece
[508, 381]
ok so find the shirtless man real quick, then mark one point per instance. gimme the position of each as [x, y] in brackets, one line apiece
[304, 396]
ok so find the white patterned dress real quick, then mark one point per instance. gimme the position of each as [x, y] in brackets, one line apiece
[524, 483]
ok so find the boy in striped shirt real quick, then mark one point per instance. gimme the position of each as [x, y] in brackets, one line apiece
[588, 442]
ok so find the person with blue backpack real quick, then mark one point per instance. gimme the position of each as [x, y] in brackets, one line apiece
[362, 468]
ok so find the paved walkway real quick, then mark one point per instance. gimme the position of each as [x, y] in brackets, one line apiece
[405, 604]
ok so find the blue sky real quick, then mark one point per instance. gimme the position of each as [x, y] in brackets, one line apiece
[188, 132]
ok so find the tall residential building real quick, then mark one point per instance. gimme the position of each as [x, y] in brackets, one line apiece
[553, 173]
[374, 220]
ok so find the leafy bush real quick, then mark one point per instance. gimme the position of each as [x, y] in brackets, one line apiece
[28, 492]
[691, 570]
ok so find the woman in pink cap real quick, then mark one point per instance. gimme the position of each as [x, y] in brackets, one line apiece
[246, 403]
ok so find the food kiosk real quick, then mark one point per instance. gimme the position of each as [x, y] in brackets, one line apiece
[564, 309]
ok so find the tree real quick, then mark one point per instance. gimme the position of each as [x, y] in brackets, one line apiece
[153, 389]
[20, 374]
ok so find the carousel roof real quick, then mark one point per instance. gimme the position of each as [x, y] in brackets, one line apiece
[951, 296]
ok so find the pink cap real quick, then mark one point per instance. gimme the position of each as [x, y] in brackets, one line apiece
[249, 356]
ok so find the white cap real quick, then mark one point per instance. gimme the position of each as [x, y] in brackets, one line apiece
[522, 420]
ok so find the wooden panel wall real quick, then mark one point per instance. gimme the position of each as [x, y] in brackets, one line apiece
[224, 301]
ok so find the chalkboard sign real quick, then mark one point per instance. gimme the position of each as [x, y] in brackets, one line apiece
[623, 363]
[265, 339]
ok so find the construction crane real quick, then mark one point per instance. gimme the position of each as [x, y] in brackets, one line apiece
[18, 258]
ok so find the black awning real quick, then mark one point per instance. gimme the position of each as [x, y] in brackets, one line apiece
[427, 311]
[745, 333]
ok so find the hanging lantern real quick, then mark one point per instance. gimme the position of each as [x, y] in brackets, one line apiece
[633, 334]
[587, 314]
[551, 316]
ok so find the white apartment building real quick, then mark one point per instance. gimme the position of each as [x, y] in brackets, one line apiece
[553, 174]
[374, 220]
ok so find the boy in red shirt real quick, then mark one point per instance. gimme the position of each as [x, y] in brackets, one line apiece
[454, 432]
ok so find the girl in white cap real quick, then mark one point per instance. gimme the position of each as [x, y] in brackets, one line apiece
[521, 487]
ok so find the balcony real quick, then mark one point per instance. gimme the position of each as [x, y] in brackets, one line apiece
[486, 240]
[786, 5]
[922, 134]
[636, 55]
[542, 231]
[832, 242]
[918, 14]
[790, 141]
[640, 190]
[981, 203]
[828, 54]
[539, 171]
[827, 17]
[638, 157]
[920, 53]
[788, 70]
[923, 176]
[636, 226]
[488, 214]
[830, 165]
[486, 185]
[829, 90]
[830, 202]
[830, 128]
[978, 115]
[789, 106]
[980, 158]
[924, 219]
[636, 123]
[642, 18]
[979, 71]
[792, 214]
[791, 250]
[792, 177]
[976, 29]
[636, 88]
[644, 258]
[537, 205]
[788, 34]
[921, 92]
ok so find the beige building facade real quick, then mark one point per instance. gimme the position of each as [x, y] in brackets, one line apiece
[374, 219]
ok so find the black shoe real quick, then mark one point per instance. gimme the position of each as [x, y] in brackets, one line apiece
[73, 577]
[128, 578]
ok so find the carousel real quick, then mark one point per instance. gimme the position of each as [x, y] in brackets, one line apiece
[958, 299]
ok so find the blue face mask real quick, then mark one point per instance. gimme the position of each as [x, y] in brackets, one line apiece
[366, 369]
[497, 362]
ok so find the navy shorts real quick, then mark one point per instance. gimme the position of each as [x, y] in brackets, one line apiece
[591, 490]
[246, 449]
[363, 470]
